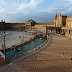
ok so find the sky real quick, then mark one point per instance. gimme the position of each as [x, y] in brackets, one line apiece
[38, 10]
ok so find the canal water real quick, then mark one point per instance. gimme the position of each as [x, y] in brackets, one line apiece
[37, 42]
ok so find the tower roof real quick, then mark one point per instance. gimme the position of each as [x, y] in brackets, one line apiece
[60, 14]
[56, 14]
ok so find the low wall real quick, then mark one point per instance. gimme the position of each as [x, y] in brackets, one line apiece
[20, 44]
[30, 51]
[37, 47]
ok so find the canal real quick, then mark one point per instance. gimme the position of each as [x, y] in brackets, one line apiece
[30, 46]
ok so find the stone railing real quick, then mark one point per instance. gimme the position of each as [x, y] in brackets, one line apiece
[30, 51]
[48, 42]
[2, 54]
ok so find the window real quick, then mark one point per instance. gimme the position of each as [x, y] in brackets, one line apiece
[69, 31]
[63, 30]
[67, 25]
[27, 26]
[63, 24]
[60, 24]
[27, 23]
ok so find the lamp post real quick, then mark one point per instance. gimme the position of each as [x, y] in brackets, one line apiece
[1, 39]
[30, 33]
[70, 30]
[4, 47]
[23, 36]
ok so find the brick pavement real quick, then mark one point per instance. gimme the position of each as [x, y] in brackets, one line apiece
[7, 68]
[49, 59]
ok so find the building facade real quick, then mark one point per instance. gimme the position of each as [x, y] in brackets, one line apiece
[42, 27]
[12, 26]
[60, 20]
[29, 24]
[68, 31]
[62, 24]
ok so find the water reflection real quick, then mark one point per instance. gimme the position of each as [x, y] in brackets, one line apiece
[37, 42]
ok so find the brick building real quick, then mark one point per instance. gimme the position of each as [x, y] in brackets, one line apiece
[11, 26]
[62, 24]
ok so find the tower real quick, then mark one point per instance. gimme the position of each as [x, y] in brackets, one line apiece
[2, 21]
[55, 19]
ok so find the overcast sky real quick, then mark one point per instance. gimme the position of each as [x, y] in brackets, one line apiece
[38, 10]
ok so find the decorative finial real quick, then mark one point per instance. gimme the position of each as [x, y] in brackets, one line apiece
[60, 11]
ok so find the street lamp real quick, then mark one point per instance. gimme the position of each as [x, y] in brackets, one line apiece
[4, 47]
[4, 34]
[23, 35]
[1, 39]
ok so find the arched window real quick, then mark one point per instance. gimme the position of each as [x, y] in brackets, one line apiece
[66, 30]
[69, 31]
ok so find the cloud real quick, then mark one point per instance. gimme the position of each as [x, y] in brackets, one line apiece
[2, 1]
[19, 10]
[70, 0]
[30, 4]
[2, 5]
[68, 6]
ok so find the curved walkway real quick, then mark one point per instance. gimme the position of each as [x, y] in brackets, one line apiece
[52, 58]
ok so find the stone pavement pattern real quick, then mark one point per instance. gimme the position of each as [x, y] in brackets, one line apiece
[48, 60]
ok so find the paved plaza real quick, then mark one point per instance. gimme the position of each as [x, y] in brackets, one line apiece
[52, 58]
